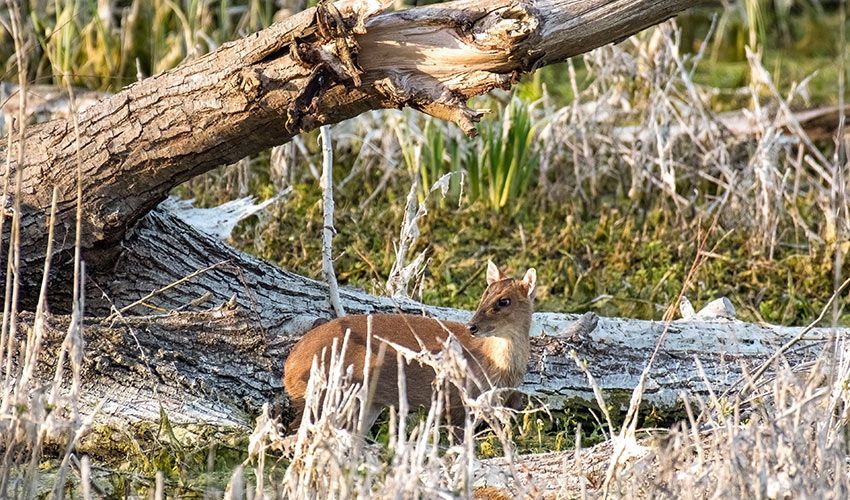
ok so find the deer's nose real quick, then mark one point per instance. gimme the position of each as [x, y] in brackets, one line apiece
[473, 328]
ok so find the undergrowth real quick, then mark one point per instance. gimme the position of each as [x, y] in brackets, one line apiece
[616, 260]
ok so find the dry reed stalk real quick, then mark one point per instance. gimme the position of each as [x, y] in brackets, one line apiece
[10, 390]
[24, 434]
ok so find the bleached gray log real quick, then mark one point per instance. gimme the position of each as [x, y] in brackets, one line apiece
[216, 360]
[219, 221]
[559, 474]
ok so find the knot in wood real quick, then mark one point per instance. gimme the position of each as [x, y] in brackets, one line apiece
[249, 81]
[504, 28]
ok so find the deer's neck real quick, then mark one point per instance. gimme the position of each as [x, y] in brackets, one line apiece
[506, 354]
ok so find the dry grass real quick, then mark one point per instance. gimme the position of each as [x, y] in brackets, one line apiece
[788, 440]
[34, 412]
[330, 458]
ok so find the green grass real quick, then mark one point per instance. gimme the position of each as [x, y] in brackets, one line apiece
[502, 165]
[610, 256]
[498, 167]
[147, 36]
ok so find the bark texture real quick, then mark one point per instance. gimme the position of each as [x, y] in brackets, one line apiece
[320, 66]
[210, 350]
[560, 474]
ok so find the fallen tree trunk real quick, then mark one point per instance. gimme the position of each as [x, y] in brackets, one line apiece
[210, 349]
[320, 66]
[557, 474]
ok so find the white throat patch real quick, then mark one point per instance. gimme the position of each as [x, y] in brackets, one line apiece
[499, 351]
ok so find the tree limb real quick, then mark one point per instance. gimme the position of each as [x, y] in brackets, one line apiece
[320, 66]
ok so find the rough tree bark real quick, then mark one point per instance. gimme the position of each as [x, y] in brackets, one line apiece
[219, 357]
[320, 66]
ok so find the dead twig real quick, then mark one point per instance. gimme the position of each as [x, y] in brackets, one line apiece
[328, 229]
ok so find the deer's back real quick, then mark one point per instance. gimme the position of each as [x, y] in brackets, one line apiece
[403, 329]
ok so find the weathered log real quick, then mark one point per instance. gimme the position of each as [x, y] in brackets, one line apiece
[219, 357]
[320, 66]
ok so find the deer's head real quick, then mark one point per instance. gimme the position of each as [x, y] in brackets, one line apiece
[506, 306]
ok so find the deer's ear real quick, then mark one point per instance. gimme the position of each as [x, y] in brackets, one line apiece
[493, 273]
[530, 281]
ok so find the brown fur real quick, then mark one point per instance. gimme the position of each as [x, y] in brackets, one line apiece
[497, 353]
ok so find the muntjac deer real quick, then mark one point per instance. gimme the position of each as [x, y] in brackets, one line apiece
[495, 343]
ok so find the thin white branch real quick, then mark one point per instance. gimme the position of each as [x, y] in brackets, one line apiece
[328, 226]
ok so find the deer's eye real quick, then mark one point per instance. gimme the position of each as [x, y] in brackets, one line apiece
[504, 302]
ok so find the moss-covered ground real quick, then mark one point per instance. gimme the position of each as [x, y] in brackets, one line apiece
[613, 258]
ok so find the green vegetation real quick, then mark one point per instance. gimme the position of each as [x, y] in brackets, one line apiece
[610, 257]
[503, 170]
[434, 155]
[500, 165]
[191, 460]
[108, 45]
